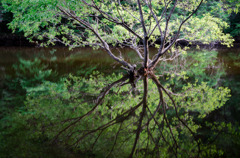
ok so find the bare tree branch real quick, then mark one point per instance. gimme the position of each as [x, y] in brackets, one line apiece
[105, 45]
[145, 40]
[112, 19]
[161, 52]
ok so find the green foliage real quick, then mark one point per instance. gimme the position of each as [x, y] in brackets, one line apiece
[44, 20]
[234, 30]
[231, 5]
[207, 29]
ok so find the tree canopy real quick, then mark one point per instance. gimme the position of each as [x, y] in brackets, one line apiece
[136, 24]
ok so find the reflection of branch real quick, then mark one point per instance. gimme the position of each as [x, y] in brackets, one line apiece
[110, 123]
[149, 133]
[145, 83]
[125, 141]
[159, 127]
[175, 107]
[98, 101]
[165, 118]
[153, 115]
[115, 140]
[97, 139]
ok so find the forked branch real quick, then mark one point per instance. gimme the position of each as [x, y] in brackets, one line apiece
[104, 43]
[162, 51]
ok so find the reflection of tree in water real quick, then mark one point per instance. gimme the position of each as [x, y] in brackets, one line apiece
[122, 120]
[121, 116]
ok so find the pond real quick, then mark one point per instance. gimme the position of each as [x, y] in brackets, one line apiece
[57, 102]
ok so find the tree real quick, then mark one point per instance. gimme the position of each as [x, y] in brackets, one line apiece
[125, 23]
[137, 25]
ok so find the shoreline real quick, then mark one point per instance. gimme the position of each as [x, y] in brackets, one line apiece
[12, 40]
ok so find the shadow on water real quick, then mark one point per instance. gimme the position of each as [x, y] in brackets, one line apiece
[182, 111]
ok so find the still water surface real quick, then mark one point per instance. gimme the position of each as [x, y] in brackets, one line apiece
[69, 60]
[63, 61]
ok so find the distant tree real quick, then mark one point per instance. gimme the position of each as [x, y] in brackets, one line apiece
[231, 5]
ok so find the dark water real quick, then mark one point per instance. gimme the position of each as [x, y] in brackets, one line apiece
[69, 60]
[231, 58]
[65, 60]
[20, 75]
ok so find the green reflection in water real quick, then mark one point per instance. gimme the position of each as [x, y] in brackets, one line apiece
[49, 106]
